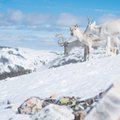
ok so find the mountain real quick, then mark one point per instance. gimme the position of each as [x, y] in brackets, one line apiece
[18, 61]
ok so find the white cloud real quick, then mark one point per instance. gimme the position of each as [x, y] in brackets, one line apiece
[66, 19]
[15, 15]
[36, 18]
[107, 17]
[18, 26]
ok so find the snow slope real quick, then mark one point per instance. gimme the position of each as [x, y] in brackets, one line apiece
[84, 80]
[109, 107]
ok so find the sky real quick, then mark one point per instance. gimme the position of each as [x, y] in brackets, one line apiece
[34, 23]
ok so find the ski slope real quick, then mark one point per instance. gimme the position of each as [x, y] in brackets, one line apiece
[83, 80]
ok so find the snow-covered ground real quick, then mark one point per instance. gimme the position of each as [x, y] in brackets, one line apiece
[109, 107]
[83, 80]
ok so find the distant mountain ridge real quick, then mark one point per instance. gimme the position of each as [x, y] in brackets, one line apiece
[18, 61]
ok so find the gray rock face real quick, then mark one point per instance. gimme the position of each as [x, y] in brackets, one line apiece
[14, 72]
[64, 60]
[31, 106]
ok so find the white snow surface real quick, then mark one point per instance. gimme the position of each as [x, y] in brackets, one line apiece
[83, 80]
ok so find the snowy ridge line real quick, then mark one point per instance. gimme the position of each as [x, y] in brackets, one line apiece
[18, 61]
[3, 47]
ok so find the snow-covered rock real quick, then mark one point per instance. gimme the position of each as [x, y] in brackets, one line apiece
[64, 60]
[31, 106]
[75, 56]
[54, 112]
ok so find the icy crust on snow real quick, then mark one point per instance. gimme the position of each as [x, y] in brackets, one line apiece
[13, 58]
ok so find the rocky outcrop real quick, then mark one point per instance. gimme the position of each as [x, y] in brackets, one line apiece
[31, 106]
[14, 72]
[64, 60]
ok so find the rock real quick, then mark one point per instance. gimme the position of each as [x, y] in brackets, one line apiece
[49, 101]
[31, 106]
[73, 57]
[54, 112]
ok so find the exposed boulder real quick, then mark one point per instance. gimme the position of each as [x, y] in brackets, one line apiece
[73, 57]
[31, 106]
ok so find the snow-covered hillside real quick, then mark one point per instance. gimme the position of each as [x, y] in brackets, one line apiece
[19, 61]
[16, 61]
[83, 80]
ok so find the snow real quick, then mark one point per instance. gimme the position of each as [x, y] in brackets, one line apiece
[109, 107]
[54, 112]
[85, 80]
[24, 57]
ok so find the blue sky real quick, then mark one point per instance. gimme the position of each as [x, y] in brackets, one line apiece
[33, 23]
